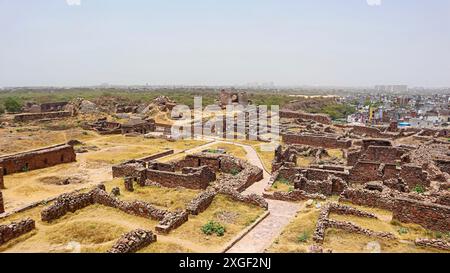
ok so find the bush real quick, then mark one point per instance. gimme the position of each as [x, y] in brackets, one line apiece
[213, 227]
[234, 172]
[419, 189]
[303, 237]
[402, 230]
[12, 105]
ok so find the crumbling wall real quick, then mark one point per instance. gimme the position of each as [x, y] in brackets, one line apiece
[171, 221]
[367, 198]
[2, 204]
[39, 116]
[429, 215]
[325, 141]
[198, 178]
[37, 159]
[132, 168]
[133, 241]
[434, 243]
[320, 118]
[201, 202]
[293, 196]
[15, 229]
[383, 154]
[252, 199]
[2, 181]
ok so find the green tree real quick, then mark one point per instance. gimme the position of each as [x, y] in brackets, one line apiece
[12, 105]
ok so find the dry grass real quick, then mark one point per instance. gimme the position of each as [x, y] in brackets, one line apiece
[234, 150]
[337, 153]
[242, 216]
[344, 242]
[303, 161]
[168, 198]
[303, 223]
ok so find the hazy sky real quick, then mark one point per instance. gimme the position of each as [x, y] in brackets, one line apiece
[207, 42]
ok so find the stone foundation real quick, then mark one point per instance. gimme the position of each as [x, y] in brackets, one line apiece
[201, 202]
[133, 241]
[39, 116]
[439, 244]
[15, 229]
[2, 204]
[429, 215]
[295, 195]
[325, 141]
[37, 159]
[252, 199]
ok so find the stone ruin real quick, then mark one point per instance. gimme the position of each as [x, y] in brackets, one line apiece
[434, 243]
[2, 204]
[196, 171]
[37, 159]
[233, 98]
[320, 118]
[378, 175]
[324, 140]
[15, 229]
[324, 222]
[133, 241]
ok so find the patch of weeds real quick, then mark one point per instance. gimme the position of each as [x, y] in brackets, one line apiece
[283, 180]
[303, 237]
[213, 227]
[402, 230]
[419, 189]
[291, 189]
[234, 171]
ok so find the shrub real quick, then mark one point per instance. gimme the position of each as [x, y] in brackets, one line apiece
[234, 172]
[283, 181]
[213, 227]
[303, 237]
[12, 105]
[402, 230]
[419, 189]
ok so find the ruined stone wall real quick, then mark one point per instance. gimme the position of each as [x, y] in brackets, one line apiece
[171, 221]
[199, 179]
[133, 241]
[39, 116]
[293, 196]
[156, 156]
[53, 106]
[370, 132]
[320, 118]
[434, 243]
[2, 204]
[64, 204]
[15, 229]
[2, 181]
[252, 199]
[442, 164]
[201, 202]
[368, 198]
[325, 141]
[37, 159]
[431, 216]
[383, 154]
[132, 168]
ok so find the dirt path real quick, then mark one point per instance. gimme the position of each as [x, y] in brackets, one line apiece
[263, 235]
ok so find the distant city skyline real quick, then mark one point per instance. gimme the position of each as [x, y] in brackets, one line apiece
[352, 43]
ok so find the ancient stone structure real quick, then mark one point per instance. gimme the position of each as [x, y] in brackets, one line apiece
[318, 140]
[73, 202]
[332, 186]
[293, 196]
[133, 241]
[15, 229]
[325, 222]
[40, 116]
[201, 202]
[2, 181]
[196, 171]
[230, 98]
[434, 243]
[53, 106]
[320, 118]
[252, 199]
[37, 159]
[2, 204]
[429, 215]
[192, 178]
[171, 221]
[129, 184]
[104, 127]
[370, 198]
[138, 126]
